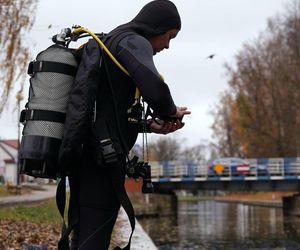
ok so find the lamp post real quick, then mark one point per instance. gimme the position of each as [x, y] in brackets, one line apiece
[19, 98]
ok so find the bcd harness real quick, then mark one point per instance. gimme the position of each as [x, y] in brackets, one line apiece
[44, 162]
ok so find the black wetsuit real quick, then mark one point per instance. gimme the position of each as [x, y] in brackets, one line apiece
[99, 204]
[98, 201]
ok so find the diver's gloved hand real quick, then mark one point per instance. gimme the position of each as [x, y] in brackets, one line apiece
[165, 127]
[181, 112]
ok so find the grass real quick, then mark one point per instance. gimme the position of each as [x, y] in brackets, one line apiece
[35, 223]
[3, 191]
[41, 223]
[24, 190]
[194, 198]
[46, 212]
[257, 196]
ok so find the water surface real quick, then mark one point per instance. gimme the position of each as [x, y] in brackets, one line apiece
[217, 225]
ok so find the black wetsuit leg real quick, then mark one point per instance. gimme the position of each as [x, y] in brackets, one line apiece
[95, 228]
[98, 206]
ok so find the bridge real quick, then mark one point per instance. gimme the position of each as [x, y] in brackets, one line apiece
[262, 174]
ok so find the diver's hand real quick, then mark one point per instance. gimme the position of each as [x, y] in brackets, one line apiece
[165, 127]
[181, 112]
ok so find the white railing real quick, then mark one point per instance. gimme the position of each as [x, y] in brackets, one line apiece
[259, 168]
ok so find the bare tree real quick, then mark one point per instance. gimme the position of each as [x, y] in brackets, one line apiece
[16, 19]
[195, 153]
[166, 149]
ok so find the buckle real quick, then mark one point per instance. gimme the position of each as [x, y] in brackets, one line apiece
[22, 118]
[30, 69]
[28, 114]
[108, 151]
[34, 66]
[31, 114]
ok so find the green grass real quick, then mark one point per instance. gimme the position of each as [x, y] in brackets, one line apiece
[3, 191]
[194, 198]
[41, 213]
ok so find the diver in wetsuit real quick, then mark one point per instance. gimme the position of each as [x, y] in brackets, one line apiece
[133, 44]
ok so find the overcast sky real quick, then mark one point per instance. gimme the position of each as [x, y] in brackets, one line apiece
[208, 27]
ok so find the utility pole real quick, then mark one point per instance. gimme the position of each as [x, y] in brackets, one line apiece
[19, 97]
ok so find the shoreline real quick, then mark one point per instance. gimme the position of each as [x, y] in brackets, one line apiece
[262, 203]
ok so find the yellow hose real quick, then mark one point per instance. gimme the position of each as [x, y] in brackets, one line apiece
[81, 30]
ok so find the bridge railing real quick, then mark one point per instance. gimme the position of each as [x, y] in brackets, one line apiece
[258, 168]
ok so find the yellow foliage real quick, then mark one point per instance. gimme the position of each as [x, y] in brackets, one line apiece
[16, 19]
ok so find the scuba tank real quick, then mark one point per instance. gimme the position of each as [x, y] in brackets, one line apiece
[51, 79]
[52, 76]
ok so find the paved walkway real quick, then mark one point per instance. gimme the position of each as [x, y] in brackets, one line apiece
[140, 239]
[48, 191]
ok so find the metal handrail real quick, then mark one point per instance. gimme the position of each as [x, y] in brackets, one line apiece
[276, 167]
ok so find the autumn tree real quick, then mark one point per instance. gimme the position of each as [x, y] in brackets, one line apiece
[16, 20]
[224, 127]
[264, 86]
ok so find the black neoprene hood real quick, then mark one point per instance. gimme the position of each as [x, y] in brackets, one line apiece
[154, 18]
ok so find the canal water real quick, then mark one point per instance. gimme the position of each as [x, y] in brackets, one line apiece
[219, 225]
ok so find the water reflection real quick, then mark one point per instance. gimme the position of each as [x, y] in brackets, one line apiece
[215, 225]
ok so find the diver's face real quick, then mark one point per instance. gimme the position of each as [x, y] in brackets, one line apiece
[162, 41]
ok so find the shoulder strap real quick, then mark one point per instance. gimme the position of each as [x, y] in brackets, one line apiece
[73, 214]
[113, 42]
[116, 179]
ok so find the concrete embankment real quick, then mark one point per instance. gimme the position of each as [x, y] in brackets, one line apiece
[291, 205]
[140, 239]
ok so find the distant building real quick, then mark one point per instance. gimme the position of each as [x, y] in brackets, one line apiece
[8, 161]
[9, 165]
